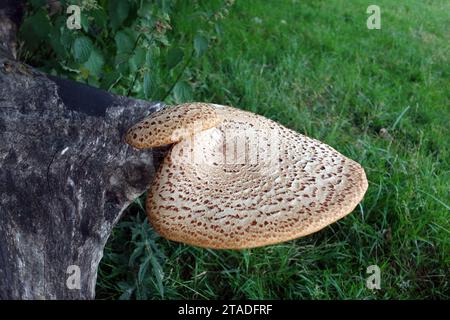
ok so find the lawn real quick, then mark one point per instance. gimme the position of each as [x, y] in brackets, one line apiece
[380, 97]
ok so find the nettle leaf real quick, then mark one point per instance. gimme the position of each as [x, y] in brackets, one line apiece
[66, 38]
[35, 29]
[82, 48]
[124, 42]
[182, 92]
[147, 84]
[55, 42]
[163, 5]
[85, 22]
[100, 18]
[109, 80]
[155, 51]
[118, 12]
[41, 24]
[145, 9]
[162, 39]
[174, 57]
[200, 45]
[95, 63]
[121, 63]
[137, 59]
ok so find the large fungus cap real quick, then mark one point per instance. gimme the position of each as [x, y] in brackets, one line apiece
[251, 182]
[171, 124]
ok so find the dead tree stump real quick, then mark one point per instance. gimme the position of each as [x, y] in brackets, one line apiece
[66, 175]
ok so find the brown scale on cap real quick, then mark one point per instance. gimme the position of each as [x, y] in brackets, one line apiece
[171, 124]
[251, 182]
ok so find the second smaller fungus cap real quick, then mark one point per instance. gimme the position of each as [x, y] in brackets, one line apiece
[171, 124]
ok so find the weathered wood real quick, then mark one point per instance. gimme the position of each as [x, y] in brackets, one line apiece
[65, 178]
[11, 12]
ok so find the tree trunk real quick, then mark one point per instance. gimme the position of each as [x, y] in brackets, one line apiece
[66, 175]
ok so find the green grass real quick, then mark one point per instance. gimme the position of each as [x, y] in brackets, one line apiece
[315, 67]
[380, 97]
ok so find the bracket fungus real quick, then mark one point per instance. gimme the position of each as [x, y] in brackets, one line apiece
[243, 180]
[171, 124]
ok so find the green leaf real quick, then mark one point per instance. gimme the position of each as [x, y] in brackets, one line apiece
[174, 57]
[155, 51]
[143, 269]
[124, 285]
[41, 24]
[136, 253]
[137, 59]
[121, 63]
[182, 92]
[127, 290]
[35, 29]
[84, 73]
[67, 38]
[99, 18]
[147, 84]
[82, 48]
[149, 57]
[124, 43]
[162, 39]
[85, 22]
[55, 42]
[163, 5]
[118, 12]
[159, 274]
[218, 29]
[145, 9]
[95, 63]
[109, 80]
[126, 295]
[200, 45]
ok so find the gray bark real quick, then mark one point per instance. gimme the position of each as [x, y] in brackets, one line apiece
[66, 176]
